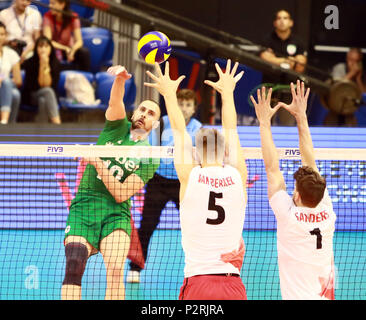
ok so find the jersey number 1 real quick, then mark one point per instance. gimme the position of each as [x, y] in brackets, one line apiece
[213, 206]
[316, 232]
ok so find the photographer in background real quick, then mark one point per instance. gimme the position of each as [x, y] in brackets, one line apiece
[352, 69]
[23, 24]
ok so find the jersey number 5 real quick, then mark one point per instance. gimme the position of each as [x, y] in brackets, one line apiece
[213, 206]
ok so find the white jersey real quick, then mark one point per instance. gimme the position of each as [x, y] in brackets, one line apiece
[305, 247]
[23, 26]
[212, 216]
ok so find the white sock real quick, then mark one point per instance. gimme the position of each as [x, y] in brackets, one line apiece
[3, 122]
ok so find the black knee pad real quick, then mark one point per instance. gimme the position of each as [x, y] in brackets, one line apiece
[76, 258]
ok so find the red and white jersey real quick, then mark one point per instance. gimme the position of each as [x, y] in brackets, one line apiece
[212, 216]
[305, 248]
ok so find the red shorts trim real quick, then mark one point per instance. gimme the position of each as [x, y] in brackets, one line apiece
[213, 287]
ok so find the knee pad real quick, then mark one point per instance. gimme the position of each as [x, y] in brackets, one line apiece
[76, 258]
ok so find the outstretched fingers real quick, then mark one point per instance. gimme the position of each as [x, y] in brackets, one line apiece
[180, 79]
[228, 66]
[269, 96]
[239, 76]
[152, 76]
[233, 71]
[167, 72]
[307, 94]
[298, 88]
[302, 89]
[293, 92]
[151, 85]
[218, 69]
[253, 101]
[264, 94]
[259, 96]
[214, 85]
[158, 70]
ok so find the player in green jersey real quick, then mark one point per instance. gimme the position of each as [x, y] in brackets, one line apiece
[99, 218]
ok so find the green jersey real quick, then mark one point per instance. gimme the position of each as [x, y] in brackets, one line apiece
[94, 213]
[118, 133]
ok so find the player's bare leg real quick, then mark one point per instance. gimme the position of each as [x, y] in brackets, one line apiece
[114, 249]
[73, 291]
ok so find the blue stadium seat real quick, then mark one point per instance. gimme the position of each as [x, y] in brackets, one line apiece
[62, 92]
[104, 82]
[61, 83]
[100, 43]
[5, 4]
[42, 9]
[83, 11]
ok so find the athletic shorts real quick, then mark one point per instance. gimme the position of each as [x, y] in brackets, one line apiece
[213, 287]
[94, 216]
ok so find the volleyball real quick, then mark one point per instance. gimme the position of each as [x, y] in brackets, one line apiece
[154, 47]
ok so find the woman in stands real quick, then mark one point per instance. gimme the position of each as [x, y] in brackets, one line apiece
[63, 27]
[9, 64]
[42, 73]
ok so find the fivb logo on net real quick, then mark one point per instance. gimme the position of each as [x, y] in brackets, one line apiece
[55, 150]
[292, 153]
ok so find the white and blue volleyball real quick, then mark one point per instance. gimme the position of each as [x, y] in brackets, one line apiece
[154, 47]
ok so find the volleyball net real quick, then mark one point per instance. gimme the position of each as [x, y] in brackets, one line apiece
[39, 183]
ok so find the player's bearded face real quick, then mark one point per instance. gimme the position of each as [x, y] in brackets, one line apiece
[144, 117]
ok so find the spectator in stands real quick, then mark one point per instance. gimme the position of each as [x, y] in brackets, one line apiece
[23, 24]
[283, 48]
[352, 69]
[9, 94]
[63, 27]
[42, 73]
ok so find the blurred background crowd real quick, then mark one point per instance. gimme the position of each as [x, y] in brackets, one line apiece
[54, 55]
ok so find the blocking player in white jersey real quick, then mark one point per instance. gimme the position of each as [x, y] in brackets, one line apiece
[305, 222]
[212, 193]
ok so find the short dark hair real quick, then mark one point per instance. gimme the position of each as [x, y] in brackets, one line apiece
[310, 185]
[187, 94]
[278, 11]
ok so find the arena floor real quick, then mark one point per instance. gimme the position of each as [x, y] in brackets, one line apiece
[32, 264]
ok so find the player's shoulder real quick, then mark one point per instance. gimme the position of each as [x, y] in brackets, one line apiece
[230, 168]
[279, 197]
[117, 123]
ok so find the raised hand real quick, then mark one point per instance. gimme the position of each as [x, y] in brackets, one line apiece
[163, 83]
[227, 80]
[299, 100]
[119, 71]
[263, 108]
